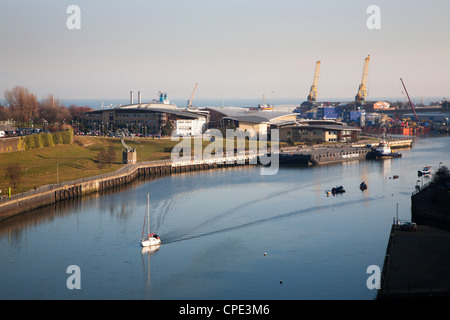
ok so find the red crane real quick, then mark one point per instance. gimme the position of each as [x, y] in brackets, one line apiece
[410, 103]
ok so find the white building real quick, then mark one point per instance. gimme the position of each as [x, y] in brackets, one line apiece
[190, 127]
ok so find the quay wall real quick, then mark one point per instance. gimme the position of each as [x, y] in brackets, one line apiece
[48, 195]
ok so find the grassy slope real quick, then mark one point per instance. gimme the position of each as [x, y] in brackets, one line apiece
[76, 160]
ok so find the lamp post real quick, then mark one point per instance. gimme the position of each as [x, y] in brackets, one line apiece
[396, 216]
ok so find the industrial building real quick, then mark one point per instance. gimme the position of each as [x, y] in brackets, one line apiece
[245, 119]
[318, 131]
[154, 118]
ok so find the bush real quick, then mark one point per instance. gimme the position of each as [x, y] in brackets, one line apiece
[29, 143]
[441, 176]
[45, 140]
[37, 140]
[56, 137]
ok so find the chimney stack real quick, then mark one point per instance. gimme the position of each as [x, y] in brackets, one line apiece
[131, 97]
[139, 97]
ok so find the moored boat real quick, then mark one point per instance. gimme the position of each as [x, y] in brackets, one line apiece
[425, 171]
[339, 189]
[383, 151]
[363, 186]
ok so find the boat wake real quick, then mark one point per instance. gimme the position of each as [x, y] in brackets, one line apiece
[189, 234]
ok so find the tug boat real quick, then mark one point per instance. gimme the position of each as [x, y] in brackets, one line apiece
[383, 151]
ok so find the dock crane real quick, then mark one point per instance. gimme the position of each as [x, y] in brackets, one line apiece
[360, 97]
[410, 103]
[192, 96]
[312, 97]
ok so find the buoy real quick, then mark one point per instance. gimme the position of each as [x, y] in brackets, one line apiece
[265, 254]
[281, 282]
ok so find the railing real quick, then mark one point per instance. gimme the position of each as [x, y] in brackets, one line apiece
[420, 188]
[430, 289]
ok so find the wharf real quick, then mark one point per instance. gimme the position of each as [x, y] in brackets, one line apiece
[319, 154]
[416, 265]
[322, 155]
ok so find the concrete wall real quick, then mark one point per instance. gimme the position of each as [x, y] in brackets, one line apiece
[10, 144]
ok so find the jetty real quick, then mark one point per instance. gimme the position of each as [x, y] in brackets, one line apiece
[319, 154]
[417, 262]
[427, 250]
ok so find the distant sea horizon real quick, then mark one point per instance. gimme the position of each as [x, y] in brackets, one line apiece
[96, 103]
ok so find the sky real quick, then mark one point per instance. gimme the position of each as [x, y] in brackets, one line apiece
[232, 49]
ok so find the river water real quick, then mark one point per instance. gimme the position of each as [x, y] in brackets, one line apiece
[226, 234]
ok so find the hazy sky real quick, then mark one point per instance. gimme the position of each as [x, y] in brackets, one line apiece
[233, 49]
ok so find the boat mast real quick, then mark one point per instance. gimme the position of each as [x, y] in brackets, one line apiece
[148, 213]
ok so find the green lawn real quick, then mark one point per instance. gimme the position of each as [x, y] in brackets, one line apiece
[46, 165]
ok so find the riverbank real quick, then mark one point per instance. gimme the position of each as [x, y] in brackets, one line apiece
[50, 194]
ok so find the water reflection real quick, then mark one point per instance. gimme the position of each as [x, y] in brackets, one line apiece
[215, 226]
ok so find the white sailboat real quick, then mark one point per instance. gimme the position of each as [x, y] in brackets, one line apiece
[149, 239]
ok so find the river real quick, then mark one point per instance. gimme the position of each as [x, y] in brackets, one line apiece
[226, 234]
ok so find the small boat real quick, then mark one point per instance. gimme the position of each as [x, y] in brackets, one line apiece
[363, 186]
[336, 190]
[149, 239]
[425, 171]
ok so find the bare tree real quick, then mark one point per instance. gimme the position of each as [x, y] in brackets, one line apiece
[5, 113]
[23, 105]
[53, 110]
[13, 174]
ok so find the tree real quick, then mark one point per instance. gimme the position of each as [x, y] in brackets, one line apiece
[110, 156]
[441, 176]
[167, 129]
[13, 174]
[23, 105]
[106, 156]
[100, 159]
[53, 110]
[75, 110]
[5, 113]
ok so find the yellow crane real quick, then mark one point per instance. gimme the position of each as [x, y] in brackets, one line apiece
[312, 97]
[192, 96]
[360, 97]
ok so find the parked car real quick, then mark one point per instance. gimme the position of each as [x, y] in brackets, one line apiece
[408, 226]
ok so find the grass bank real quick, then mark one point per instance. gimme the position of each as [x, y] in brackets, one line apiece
[48, 165]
